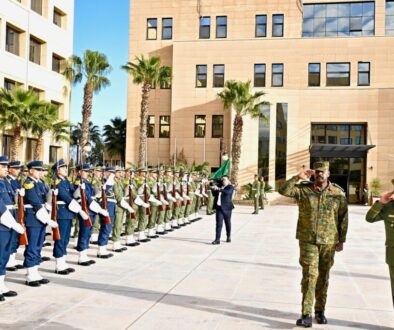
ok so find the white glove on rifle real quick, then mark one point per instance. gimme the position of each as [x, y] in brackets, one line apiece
[83, 215]
[126, 206]
[52, 224]
[74, 206]
[43, 216]
[21, 192]
[186, 197]
[140, 190]
[95, 207]
[77, 193]
[138, 201]
[104, 213]
[56, 191]
[152, 199]
[48, 206]
[8, 220]
[163, 201]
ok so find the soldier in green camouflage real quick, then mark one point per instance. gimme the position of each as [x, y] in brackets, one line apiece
[96, 181]
[131, 218]
[262, 196]
[384, 210]
[143, 203]
[256, 193]
[321, 230]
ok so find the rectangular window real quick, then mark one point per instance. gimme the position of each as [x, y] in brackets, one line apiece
[217, 126]
[338, 74]
[199, 126]
[7, 141]
[264, 142]
[12, 40]
[58, 17]
[57, 63]
[389, 17]
[205, 27]
[30, 147]
[38, 92]
[151, 127]
[314, 74]
[281, 145]
[164, 129]
[9, 84]
[261, 26]
[277, 75]
[151, 29]
[339, 19]
[221, 26]
[259, 75]
[165, 85]
[218, 75]
[277, 25]
[363, 74]
[35, 50]
[201, 76]
[36, 5]
[166, 29]
[53, 154]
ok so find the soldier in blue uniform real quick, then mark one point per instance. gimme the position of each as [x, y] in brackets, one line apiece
[105, 229]
[8, 224]
[36, 219]
[14, 187]
[94, 208]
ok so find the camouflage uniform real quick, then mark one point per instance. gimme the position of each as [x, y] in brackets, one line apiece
[385, 212]
[322, 223]
[256, 195]
[96, 183]
[120, 193]
[131, 224]
[262, 194]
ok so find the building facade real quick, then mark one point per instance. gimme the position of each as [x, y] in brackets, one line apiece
[327, 68]
[36, 37]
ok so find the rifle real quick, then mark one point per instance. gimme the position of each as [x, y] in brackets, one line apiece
[55, 231]
[131, 201]
[23, 240]
[84, 204]
[174, 191]
[187, 190]
[161, 207]
[165, 196]
[146, 197]
[107, 219]
[206, 191]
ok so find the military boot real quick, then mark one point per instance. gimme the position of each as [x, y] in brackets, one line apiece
[320, 317]
[305, 321]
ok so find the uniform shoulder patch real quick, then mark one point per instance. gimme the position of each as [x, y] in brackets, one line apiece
[77, 182]
[28, 185]
[57, 181]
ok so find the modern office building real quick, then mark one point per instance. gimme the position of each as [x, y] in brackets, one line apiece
[327, 68]
[36, 36]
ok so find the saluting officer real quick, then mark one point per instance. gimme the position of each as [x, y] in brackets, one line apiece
[36, 219]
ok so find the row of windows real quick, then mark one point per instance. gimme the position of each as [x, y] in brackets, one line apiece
[338, 134]
[36, 48]
[200, 126]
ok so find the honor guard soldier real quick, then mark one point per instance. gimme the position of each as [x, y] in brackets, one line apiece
[167, 187]
[96, 181]
[131, 220]
[142, 201]
[155, 204]
[262, 197]
[36, 219]
[159, 191]
[384, 210]
[8, 225]
[256, 194]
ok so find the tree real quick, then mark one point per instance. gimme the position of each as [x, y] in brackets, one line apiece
[16, 109]
[96, 155]
[45, 119]
[115, 138]
[239, 96]
[94, 68]
[147, 72]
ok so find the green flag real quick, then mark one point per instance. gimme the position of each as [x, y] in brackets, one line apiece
[222, 171]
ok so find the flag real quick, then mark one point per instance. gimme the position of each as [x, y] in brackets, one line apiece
[222, 171]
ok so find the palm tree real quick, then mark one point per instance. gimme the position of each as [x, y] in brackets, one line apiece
[147, 72]
[115, 138]
[239, 96]
[16, 109]
[94, 68]
[94, 139]
[45, 119]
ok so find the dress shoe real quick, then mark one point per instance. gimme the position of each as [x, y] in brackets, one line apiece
[10, 294]
[175, 227]
[153, 236]
[91, 262]
[33, 283]
[45, 259]
[228, 240]
[47, 244]
[161, 232]
[145, 240]
[320, 317]
[84, 263]
[105, 256]
[118, 250]
[124, 248]
[169, 230]
[215, 242]
[255, 213]
[94, 242]
[71, 270]
[19, 266]
[11, 269]
[133, 244]
[62, 272]
[1, 297]
[44, 281]
[305, 321]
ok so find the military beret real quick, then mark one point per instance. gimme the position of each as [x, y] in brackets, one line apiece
[321, 166]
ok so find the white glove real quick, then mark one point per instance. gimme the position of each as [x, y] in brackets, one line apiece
[95, 207]
[163, 201]
[52, 224]
[138, 201]
[140, 190]
[48, 207]
[43, 215]
[56, 191]
[18, 228]
[74, 206]
[124, 204]
[83, 215]
[99, 194]
[111, 180]
[145, 205]
[77, 193]
[8, 220]
[130, 209]
[187, 198]
[21, 192]
[104, 213]
[152, 199]
[83, 185]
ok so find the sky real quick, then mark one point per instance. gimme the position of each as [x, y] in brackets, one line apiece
[111, 39]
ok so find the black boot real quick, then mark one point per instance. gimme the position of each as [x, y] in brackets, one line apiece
[215, 242]
[305, 321]
[320, 317]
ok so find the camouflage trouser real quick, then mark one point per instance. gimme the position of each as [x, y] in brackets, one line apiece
[261, 201]
[210, 202]
[198, 203]
[182, 210]
[96, 226]
[176, 210]
[188, 209]
[142, 218]
[118, 224]
[316, 262]
[76, 227]
[391, 269]
[153, 216]
[168, 213]
[161, 216]
[256, 203]
[131, 224]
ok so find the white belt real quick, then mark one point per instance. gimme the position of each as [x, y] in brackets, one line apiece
[11, 207]
[28, 206]
[111, 200]
[60, 203]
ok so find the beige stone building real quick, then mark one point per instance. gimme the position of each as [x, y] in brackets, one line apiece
[327, 68]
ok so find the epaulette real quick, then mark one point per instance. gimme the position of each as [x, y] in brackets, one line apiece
[28, 185]
[77, 182]
[57, 181]
[8, 179]
[337, 186]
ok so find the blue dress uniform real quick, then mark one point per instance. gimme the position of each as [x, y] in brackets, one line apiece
[5, 232]
[105, 229]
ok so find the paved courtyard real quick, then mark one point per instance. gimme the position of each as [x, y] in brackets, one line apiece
[181, 281]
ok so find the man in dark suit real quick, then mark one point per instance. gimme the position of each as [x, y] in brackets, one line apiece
[223, 205]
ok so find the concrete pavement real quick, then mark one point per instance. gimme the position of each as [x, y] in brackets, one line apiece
[181, 281]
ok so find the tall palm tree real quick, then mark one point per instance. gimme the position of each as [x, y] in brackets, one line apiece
[239, 96]
[16, 110]
[94, 68]
[46, 120]
[148, 72]
[115, 138]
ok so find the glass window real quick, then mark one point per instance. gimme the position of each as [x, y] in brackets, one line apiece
[12, 40]
[332, 139]
[35, 51]
[7, 141]
[218, 75]
[261, 26]
[53, 154]
[259, 75]
[389, 17]
[217, 126]
[57, 17]
[363, 74]
[164, 129]
[205, 27]
[36, 5]
[151, 29]
[277, 75]
[338, 74]
[281, 145]
[30, 147]
[314, 74]
[57, 63]
[339, 19]
[221, 26]
[277, 25]
[167, 29]
[199, 126]
[201, 76]
[151, 127]
[9, 84]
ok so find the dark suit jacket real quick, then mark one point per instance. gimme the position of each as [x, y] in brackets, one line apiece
[226, 199]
